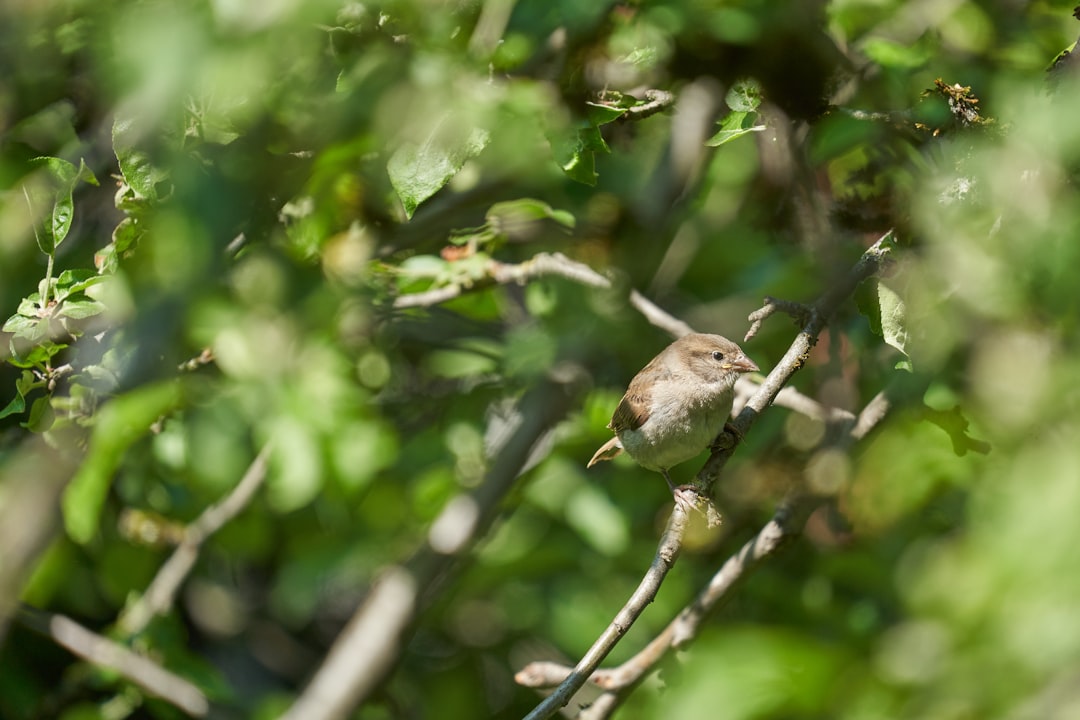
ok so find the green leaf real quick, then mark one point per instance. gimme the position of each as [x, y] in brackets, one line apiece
[419, 171]
[64, 178]
[32, 329]
[126, 234]
[135, 166]
[37, 355]
[17, 405]
[734, 125]
[603, 114]
[61, 170]
[744, 96]
[885, 311]
[592, 139]
[893, 317]
[73, 282]
[574, 152]
[79, 309]
[479, 238]
[297, 462]
[530, 352]
[62, 214]
[117, 425]
[22, 386]
[41, 415]
[30, 306]
[644, 57]
[522, 218]
[20, 325]
[76, 280]
[581, 167]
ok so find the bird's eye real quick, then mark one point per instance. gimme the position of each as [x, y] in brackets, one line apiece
[717, 355]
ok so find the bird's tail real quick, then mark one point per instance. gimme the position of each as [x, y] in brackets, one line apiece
[607, 451]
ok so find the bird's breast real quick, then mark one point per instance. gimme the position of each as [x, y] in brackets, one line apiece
[678, 428]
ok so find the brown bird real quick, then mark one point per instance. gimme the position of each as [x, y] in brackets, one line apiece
[677, 404]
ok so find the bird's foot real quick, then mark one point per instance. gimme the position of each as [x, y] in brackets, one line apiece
[690, 499]
[687, 497]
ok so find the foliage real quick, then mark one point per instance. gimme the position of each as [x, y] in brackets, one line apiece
[296, 183]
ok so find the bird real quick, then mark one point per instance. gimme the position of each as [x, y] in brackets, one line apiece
[677, 404]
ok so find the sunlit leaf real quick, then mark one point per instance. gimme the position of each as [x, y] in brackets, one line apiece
[744, 96]
[135, 164]
[599, 114]
[734, 125]
[79, 309]
[63, 177]
[893, 317]
[418, 171]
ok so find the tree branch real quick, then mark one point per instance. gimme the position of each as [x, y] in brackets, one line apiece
[666, 554]
[103, 652]
[557, 264]
[819, 313]
[542, 265]
[786, 523]
[161, 594]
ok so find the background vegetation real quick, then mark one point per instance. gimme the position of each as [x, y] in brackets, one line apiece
[229, 226]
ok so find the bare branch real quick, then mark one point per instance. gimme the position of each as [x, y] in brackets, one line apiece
[800, 312]
[364, 651]
[666, 554]
[871, 415]
[785, 524]
[161, 594]
[788, 521]
[868, 264]
[541, 265]
[657, 100]
[557, 264]
[792, 399]
[103, 652]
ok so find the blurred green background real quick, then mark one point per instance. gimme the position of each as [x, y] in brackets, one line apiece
[270, 176]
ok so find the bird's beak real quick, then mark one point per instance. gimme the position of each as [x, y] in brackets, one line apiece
[741, 364]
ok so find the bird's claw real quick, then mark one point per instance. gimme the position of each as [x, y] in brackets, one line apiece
[687, 497]
[690, 499]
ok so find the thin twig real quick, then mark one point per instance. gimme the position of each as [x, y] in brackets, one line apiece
[541, 265]
[871, 415]
[800, 312]
[787, 523]
[666, 554]
[656, 101]
[161, 594]
[796, 356]
[557, 264]
[103, 652]
[781, 527]
[792, 399]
